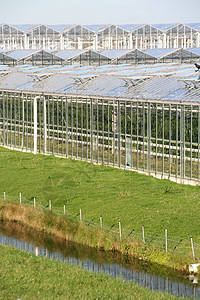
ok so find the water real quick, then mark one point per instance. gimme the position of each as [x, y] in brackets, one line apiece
[98, 261]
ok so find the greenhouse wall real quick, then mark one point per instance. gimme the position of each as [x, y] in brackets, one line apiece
[159, 139]
[127, 36]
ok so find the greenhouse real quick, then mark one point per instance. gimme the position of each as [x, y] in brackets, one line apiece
[98, 57]
[144, 118]
[103, 36]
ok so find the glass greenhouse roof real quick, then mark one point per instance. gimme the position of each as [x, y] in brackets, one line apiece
[167, 82]
[20, 54]
[98, 28]
[67, 54]
[113, 54]
[158, 53]
[25, 27]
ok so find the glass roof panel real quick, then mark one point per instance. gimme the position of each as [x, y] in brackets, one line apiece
[20, 54]
[167, 82]
[68, 54]
[113, 54]
[25, 27]
[159, 52]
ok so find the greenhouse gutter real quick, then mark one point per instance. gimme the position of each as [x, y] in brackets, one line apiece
[98, 97]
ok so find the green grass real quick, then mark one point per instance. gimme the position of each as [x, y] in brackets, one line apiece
[25, 276]
[99, 190]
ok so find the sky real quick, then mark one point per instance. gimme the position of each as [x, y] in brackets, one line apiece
[99, 11]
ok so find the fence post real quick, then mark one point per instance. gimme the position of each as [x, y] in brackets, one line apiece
[120, 230]
[101, 223]
[81, 216]
[166, 239]
[20, 198]
[192, 247]
[143, 234]
[64, 209]
[4, 195]
[50, 204]
[34, 203]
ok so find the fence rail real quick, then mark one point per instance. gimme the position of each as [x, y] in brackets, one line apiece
[163, 242]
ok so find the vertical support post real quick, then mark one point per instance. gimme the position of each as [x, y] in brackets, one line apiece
[64, 209]
[198, 168]
[3, 119]
[177, 129]
[119, 133]
[156, 167]
[143, 134]
[170, 129]
[149, 138]
[91, 130]
[182, 142]
[137, 114]
[81, 219]
[4, 195]
[77, 117]
[143, 236]
[49, 204]
[163, 140]
[34, 203]
[120, 230]
[35, 125]
[22, 122]
[191, 144]
[101, 223]
[192, 247]
[36, 251]
[166, 239]
[20, 198]
[45, 125]
[103, 120]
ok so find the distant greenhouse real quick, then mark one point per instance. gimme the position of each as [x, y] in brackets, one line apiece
[144, 118]
[71, 37]
[98, 57]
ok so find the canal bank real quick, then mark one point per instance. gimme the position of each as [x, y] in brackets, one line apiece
[68, 229]
[150, 276]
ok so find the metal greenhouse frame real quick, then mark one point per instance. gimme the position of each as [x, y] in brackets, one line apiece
[157, 138]
[127, 36]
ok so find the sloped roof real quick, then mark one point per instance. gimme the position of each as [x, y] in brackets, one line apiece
[159, 82]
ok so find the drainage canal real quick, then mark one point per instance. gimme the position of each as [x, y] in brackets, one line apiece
[150, 276]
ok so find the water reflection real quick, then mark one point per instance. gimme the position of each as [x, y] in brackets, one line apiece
[151, 281]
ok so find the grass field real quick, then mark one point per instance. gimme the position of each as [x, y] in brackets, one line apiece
[25, 276]
[99, 190]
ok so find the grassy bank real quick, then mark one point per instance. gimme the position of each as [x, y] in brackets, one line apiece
[24, 276]
[99, 190]
[70, 230]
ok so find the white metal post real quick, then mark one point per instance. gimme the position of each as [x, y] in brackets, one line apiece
[95, 42]
[120, 230]
[35, 124]
[101, 223]
[166, 239]
[22, 122]
[45, 126]
[81, 215]
[143, 236]
[192, 248]
[36, 251]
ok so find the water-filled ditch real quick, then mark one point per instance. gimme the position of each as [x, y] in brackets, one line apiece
[153, 277]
